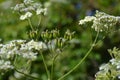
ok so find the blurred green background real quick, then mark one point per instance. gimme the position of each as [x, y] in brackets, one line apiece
[63, 15]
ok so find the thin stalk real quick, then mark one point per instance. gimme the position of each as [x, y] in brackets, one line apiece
[52, 68]
[26, 75]
[30, 23]
[76, 66]
[38, 31]
[45, 66]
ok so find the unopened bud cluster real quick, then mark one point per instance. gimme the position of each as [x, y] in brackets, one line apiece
[54, 40]
[101, 21]
[48, 35]
[28, 8]
[33, 34]
[110, 70]
[69, 35]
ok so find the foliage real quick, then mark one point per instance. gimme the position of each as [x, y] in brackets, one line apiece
[61, 15]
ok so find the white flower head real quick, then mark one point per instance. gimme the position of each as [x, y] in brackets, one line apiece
[52, 44]
[37, 5]
[112, 68]
[104, 67]
[36, 45]
[113, 61]
[41, 10]
[119, 77]
[27, 50]
[45, 11]
[118, 66]
[28, 1]
[25, 16]
[18, 7]
[28, 55]
[87, 19]
[101, 21]
[5, 65]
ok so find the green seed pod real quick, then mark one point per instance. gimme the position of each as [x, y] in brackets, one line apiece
[50, 35]
[70, 37]
[31, 35]
[46, 34]
[54, 34]
[61, 45]
[42, 34]
[57, 43]
[65, 36]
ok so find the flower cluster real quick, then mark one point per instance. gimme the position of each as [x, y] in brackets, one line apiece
[101, 21]
[19, 48]
[7, 51]
[111, 70]
[87, 19]
[5, 65]
[27, 8]
[27, 15]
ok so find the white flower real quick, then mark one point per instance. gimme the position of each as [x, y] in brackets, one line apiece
[87, 19]
[28, 55]
[45, 11]
[18, 41]
[26, 50]
[116, 63]
[118, 77]
[101, 21]
[5, 65]
[37, 5]
[118, 66]
[52, 44]
[111, 69]
[28, 1]
[25, 16]
[18, 7]
[36, 45]
[7, 51]
[29, 8]
[40, 11]
[104, 67]
[113, 61]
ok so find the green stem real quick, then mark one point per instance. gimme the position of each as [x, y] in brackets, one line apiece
[76, 66]
[38, 33]
[52, 68]
[45, 66]
[30, 23]
[26, 74]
